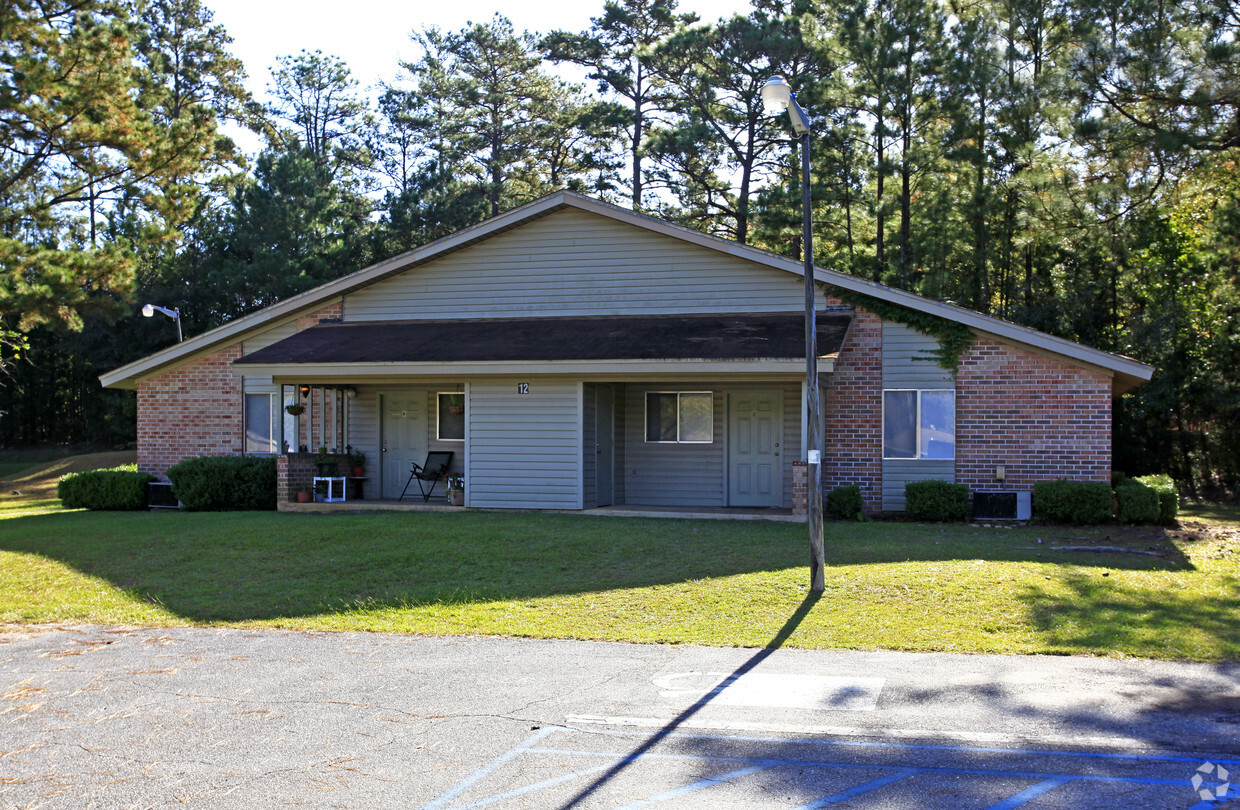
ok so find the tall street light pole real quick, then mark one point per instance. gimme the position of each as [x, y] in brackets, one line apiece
[777, 96]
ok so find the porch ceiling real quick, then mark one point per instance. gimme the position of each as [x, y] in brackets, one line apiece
[517, 340]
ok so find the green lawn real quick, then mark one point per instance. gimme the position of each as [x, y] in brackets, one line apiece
[889, 585]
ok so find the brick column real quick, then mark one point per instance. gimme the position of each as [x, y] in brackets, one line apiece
[800, 487]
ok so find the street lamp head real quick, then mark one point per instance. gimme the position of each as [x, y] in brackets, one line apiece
[148, 311]
[776, 94]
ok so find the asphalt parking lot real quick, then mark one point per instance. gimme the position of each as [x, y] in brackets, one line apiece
[128, 717]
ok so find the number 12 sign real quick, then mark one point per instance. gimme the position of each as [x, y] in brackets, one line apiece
[523, 388]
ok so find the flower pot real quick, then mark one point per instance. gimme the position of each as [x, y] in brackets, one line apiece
[456, 497]
[295, 410]
[358, 472]
[303, 496]
[456, 409]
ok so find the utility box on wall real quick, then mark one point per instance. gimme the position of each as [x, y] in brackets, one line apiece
[1002, 505]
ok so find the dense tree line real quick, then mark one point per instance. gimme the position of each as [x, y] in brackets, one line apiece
[1066, 165]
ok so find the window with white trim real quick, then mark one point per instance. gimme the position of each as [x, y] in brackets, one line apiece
[450, 420]
[680, 417]
[919, 424]
[260, 423]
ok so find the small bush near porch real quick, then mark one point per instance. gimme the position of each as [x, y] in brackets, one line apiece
[900, 586]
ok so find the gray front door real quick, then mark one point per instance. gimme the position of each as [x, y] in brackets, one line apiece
[605, 441]
[755, 439]
[404, 437]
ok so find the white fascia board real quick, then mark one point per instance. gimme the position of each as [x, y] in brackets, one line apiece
[315, 373]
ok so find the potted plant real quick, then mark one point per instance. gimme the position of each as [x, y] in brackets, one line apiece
[296, 409]
[456, 404]
[303, 496]
[357, 460]
[328, 466]
[456, 489]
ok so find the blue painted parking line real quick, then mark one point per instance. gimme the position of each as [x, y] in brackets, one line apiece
[1031, 793]
[853, 792]
[668, 795]
[1046, 781]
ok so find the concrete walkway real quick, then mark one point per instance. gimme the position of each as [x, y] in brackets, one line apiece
[120, 717]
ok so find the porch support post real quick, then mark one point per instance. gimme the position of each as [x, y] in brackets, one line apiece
[813, 444]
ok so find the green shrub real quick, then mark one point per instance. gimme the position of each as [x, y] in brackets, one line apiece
[1136, 503]
[844, 503]
[225, 483]
[1168, 497]
[1078, 502]
[117, 489]
[939, 501]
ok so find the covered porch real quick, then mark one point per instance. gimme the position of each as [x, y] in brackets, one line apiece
[679, 416]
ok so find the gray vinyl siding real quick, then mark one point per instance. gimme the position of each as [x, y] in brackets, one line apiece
[908, 360]
[898, 472]
[589, 459]
[656, 474]
[275, 334]
[905, 365]
[575, 263]
[524, 450]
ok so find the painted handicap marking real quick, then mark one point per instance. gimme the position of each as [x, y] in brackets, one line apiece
[769, 690]
[536, 747]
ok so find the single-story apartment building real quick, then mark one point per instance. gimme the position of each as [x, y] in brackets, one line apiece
[573, 355]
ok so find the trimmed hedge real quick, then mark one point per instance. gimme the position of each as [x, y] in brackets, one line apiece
[225, 483]
[1136, 503]
[1074, 502]
[1168, 497]
[117, 489]
[938, 501]
[844, 503]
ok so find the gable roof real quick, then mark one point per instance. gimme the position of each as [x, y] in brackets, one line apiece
[1126, 373]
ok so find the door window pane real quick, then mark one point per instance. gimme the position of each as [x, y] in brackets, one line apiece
[899, 424]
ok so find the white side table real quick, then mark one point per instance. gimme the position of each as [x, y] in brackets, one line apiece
[334, 484]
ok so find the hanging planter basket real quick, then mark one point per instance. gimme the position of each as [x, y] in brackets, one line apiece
[295, 409]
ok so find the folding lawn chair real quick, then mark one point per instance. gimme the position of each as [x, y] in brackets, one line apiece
[434, 470]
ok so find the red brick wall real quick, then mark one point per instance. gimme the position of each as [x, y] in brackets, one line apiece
[852, 407]
[1040, 418]
[192, 410]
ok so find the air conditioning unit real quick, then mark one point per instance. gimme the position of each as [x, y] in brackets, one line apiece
[161, 496]
[1006, 505]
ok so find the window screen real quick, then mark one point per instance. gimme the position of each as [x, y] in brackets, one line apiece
[259, 424]
[684, 417]
[919, 424]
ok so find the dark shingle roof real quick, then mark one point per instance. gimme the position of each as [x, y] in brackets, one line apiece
[663, 337]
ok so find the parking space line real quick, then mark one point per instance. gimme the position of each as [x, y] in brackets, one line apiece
[1169, 756]
[486, 770]
[710, 781]
[866, 787]
[619, 756]
[537, 786]
[749, 765]
[1031, 793]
